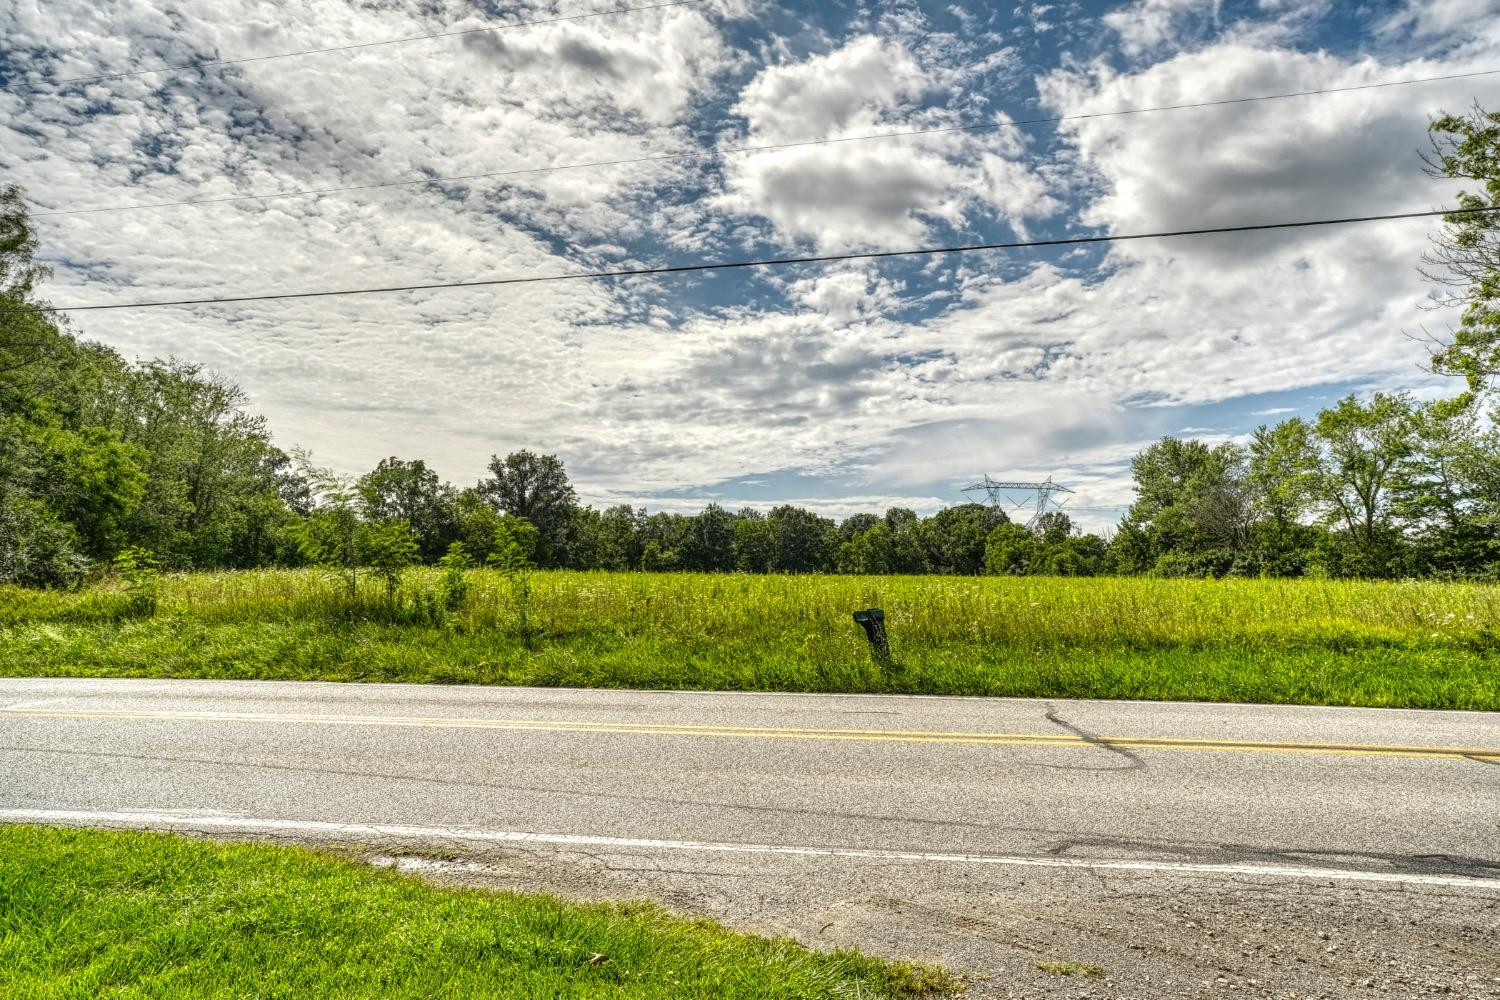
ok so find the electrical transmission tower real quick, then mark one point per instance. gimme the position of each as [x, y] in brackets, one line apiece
[1036, 497]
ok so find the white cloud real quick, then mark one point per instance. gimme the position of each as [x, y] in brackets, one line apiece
[1316, 157]
[1201, 318]
[846, 295]
[877, 194]
[1456, 24]
[1058, 364]
[846, 90]
[355, 378]
[1149, 24]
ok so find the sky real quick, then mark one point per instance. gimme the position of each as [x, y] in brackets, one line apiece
[841, 386]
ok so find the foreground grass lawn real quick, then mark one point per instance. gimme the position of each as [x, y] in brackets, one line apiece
[88, 914]
[1415, 645]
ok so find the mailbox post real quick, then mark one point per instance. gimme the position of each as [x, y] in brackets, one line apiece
[873, 622]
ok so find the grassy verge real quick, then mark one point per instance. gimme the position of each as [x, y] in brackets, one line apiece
[90, 914]
[1420, 645]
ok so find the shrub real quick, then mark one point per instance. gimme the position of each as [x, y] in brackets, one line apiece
[138, 568]
[453, 587]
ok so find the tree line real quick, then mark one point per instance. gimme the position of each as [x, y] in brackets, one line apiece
[1384, 487]
[105, 462]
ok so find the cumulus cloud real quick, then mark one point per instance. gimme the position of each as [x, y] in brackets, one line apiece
[1063, 363]
[1338, 154]
[353, 378]
[1205, 318]
[1456, 25]
[830, 94]
[876, 194]
[1151, 24]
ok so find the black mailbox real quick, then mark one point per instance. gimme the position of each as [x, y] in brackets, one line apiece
[873, 622]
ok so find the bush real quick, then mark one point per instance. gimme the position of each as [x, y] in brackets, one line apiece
[138, 568]
[389, 549]
[453, 588]
[1209, 564]
[36, 548]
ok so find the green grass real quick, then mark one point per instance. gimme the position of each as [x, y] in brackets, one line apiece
[87, 914]
[1420, 645]
[1072, 969]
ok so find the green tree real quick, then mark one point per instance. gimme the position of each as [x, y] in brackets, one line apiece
[619, 544]
[389, 549]
[397, 490]
[585, 540]
[1363, 446]
[535, 487]
[330, 535]
[883, 550]
[1446, 492]
[1078, 555]
[905, 552]
[1050, 547]
[802, 541]
[1283, 479]
[211, 468]
[1064, 550]
[63, 487]
[708, 541]
[1054, 527]
[37, 548]
[1011, 550]
[88, 478]
[956, 537]
[655, 559]
[517, 542]
[98, 484]
[754, 543]
[1191, 514]
[661, 537]
[139, 570]
[516, 539]
[1465, 257]
[453, 586]
[474, 524]
[28, 335]
[898, 518]
[855, 525]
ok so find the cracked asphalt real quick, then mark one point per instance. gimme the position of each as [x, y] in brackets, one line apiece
[1044, 849]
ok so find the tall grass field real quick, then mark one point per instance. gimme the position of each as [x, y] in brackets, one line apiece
[1407, 644]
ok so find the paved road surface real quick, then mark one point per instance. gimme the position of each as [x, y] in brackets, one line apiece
[1185, 849]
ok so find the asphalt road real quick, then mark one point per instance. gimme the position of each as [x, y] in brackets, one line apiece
[1185, 849]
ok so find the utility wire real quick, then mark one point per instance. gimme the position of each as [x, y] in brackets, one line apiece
[206, 63]
[772, 262]
[978, 127]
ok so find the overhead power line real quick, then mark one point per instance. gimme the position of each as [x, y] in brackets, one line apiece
[208, 63]
[732, 150]
[770, 262]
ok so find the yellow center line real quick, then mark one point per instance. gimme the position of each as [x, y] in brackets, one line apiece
[763, 732]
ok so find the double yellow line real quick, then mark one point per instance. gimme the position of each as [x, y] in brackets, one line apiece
[771, 733]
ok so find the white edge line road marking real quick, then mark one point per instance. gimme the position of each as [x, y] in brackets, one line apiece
[346, 831]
